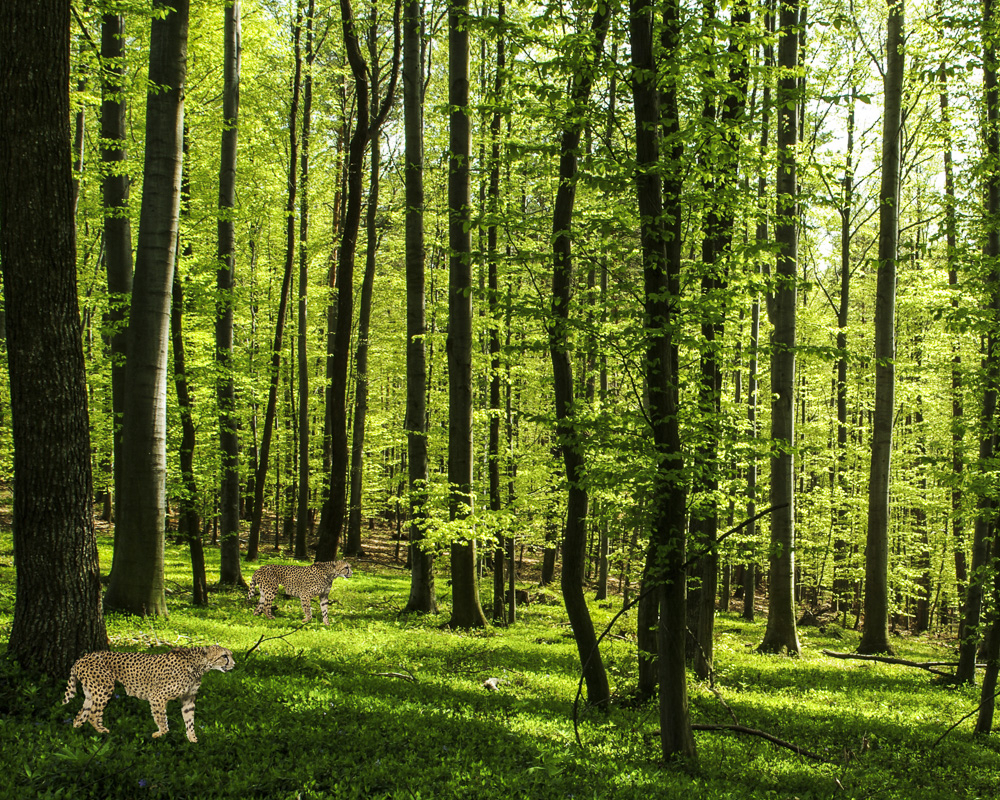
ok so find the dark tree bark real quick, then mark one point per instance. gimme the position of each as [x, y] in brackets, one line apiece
[264, 451]
[985, 537]
[136, 584]
[660, 228]
[57, 611]
[334, 507]
[781, 633]
[875, 635]
[117, 226]
[230, 572]
[570, 436]
[302, 337]
[493, 458]
[190, 520]
[466, 611]
[422, 593]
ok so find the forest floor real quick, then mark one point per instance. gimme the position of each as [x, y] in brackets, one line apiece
[385, 705]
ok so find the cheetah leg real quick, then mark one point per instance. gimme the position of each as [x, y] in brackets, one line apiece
[266, 599]
[159, 709]
[307, 608]
[94, 700]
[323, 601]
[187, 711]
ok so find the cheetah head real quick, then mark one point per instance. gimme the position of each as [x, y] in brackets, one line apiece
[220, 658]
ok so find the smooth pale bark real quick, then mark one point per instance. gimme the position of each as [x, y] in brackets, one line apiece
[466, 610]
[569, 432]
[264, 451]
[422, 592]
[230, 572]
[781, 633]
[660, 228]
[57, 610]
[875, 635]
[136, 583]
[117, 226]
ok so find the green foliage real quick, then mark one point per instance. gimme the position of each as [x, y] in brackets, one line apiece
[385, 705]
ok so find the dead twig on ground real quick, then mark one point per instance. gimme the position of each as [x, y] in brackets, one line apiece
[262, 638]
[699, 726]
[926, 665]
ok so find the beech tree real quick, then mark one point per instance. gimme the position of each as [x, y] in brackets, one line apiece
[136, 584]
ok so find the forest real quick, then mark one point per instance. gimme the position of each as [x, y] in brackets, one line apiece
[684, 310]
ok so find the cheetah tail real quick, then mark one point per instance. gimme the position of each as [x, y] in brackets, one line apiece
[70, 687]
[253, 587]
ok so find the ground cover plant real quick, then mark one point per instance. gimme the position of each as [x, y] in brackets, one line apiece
[385, 705]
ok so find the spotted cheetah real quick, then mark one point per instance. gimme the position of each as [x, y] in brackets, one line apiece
[156, 677]
[304, 582]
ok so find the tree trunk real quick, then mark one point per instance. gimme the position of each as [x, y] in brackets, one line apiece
[190, 521]
[264, 452]
[875, 635]
[136, 584]
[302, 338]
[230, 573]
[422, 592]
[466, 612]
[117, 226]
[781, 633]
[57, 610]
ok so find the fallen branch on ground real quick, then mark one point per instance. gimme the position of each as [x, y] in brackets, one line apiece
[406, 676]
[698, 726]
[261, 640]
[927, 665]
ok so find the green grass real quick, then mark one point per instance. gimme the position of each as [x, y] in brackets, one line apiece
[309, 715]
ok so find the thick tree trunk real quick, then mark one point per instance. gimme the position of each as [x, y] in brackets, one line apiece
[136, 584]
[57, 611]
[466, 612]
[875, 635]
[781, 633]
[422, 592]
[230, 572]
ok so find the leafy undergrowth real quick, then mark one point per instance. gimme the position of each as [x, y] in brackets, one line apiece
[384, 705]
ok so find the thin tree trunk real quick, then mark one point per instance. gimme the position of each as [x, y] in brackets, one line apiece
[57, 607]
[302, 338]
[230, 573]
[781, 633]
[117, 226]
[136, 583]
[422, 592]
[264, 451]
[875, 635]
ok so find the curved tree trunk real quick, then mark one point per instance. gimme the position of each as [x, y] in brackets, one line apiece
[136, 584]
[875, 636]
[229, 484]
[57, 611]
[570, 438]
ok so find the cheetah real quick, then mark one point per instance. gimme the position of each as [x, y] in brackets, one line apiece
[304, 582]
[156, 677]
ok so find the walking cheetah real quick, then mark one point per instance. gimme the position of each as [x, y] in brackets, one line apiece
[303, 582]
[156, 677]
